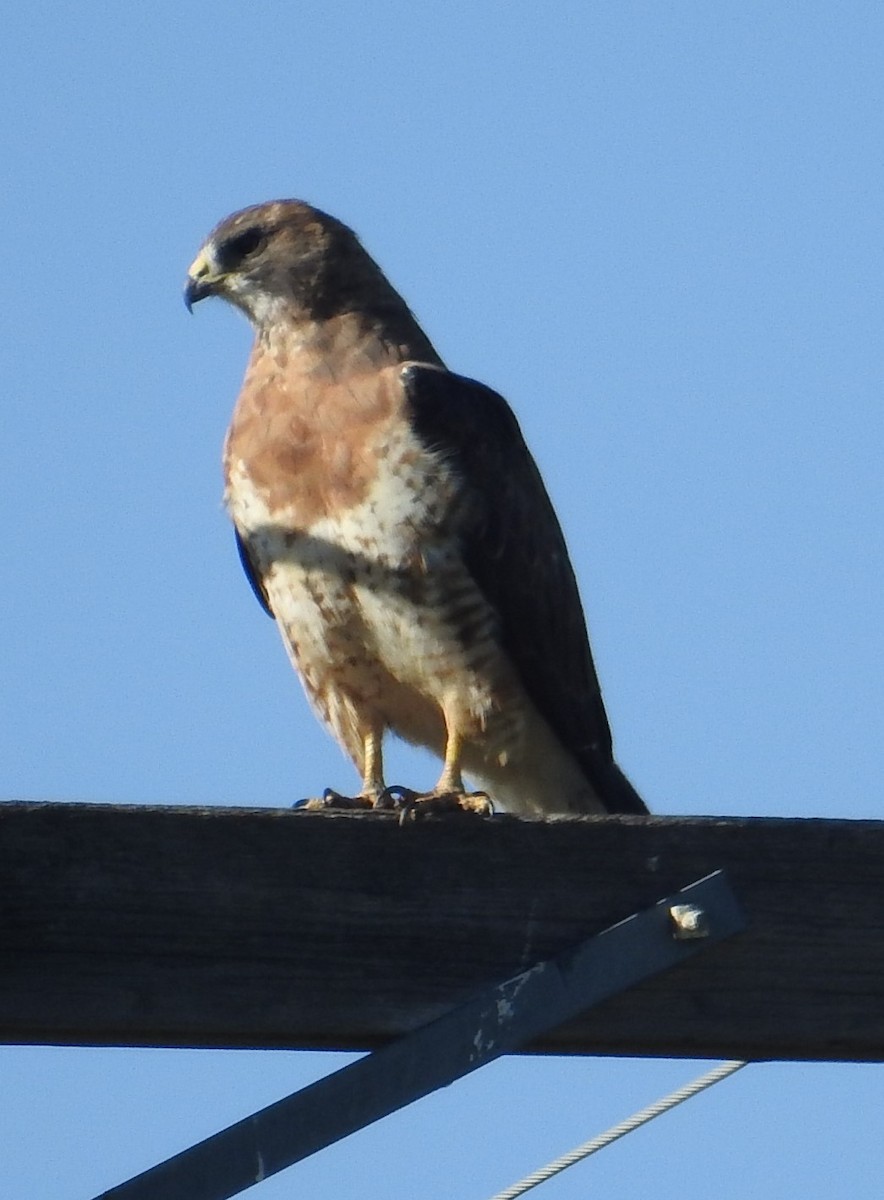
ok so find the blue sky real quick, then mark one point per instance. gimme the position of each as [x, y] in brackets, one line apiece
[656, 228]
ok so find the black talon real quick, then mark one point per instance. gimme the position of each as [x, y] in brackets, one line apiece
[396, 796]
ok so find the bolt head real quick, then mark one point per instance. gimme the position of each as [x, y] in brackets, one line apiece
[688, 921]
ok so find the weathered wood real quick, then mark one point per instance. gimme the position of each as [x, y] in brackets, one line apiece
[261, 927]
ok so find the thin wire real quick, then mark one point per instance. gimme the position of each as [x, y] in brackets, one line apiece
[722, 1071]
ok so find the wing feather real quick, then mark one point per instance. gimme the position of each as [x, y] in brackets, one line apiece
[514, 548]
[252, 574]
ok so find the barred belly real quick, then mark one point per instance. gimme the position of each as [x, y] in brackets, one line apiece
[396, 647]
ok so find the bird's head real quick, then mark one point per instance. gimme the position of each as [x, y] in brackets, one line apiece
[283, 258]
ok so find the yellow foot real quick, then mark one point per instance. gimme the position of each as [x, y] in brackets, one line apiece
[413, 806]
[332, 799]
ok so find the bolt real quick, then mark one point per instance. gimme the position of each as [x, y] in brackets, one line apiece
[688, 921]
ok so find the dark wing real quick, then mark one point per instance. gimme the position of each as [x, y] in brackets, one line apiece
[514, 548]
[252, 574]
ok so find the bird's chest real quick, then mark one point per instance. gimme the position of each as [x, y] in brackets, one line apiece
[335, 459]
[356, 564]
[358, 501]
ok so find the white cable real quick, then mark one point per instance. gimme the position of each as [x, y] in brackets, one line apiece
[618, 1131]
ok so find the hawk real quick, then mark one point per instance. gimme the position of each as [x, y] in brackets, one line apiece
[392, 521]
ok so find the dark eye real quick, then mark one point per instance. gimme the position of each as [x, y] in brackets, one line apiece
[241, 245]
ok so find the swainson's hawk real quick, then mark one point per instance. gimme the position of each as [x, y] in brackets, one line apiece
[392, 521]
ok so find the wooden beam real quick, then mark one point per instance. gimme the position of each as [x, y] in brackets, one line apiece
[230, 927]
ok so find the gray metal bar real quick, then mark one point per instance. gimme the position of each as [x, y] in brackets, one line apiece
[497, 1021]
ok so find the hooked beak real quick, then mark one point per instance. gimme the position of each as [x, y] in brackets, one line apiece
[194, 291]
[202, 281]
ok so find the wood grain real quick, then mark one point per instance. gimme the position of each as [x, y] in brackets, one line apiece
[134, 925]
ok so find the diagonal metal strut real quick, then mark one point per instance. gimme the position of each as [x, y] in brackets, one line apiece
[497, 1021]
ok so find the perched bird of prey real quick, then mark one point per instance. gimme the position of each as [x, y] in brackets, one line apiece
[392, 521]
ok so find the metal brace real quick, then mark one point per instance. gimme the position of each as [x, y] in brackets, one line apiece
[496, 1022]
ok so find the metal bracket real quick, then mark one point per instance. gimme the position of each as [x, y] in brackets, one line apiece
[497, 1021]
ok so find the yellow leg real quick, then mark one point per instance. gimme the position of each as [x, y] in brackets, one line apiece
[370, 763]
[451, 780]
[373, 764]
[449, 793]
